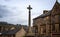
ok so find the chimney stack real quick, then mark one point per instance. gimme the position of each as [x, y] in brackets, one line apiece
[45, 11]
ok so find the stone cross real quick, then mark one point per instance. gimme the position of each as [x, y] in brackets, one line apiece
[56, 0]
[29, 8]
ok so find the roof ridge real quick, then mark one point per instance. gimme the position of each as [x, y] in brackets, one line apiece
[57, 2]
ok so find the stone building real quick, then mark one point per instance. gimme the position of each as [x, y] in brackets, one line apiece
[10, 30]
[48, 24]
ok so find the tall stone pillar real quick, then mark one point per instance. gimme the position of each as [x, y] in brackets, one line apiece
[29, 33]
[29, 18]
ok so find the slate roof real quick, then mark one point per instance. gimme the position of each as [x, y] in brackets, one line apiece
[9, 32]
[43, 15]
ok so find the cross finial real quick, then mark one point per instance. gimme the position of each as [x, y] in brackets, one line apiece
[29, 7]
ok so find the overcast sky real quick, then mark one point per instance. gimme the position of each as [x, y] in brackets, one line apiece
[16, 12]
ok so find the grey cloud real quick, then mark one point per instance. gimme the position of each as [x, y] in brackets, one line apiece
[3, 11]
[7, 0]
[14, 19]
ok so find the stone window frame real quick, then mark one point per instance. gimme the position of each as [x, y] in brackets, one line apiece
[56, 16]
[56, 27]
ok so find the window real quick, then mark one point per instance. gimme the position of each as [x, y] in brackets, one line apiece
[44, 30]
[56, 18]
[36, 30]
[41, 30]
[56, 27]
[59, 27]
[53, 27]
[0, 28]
